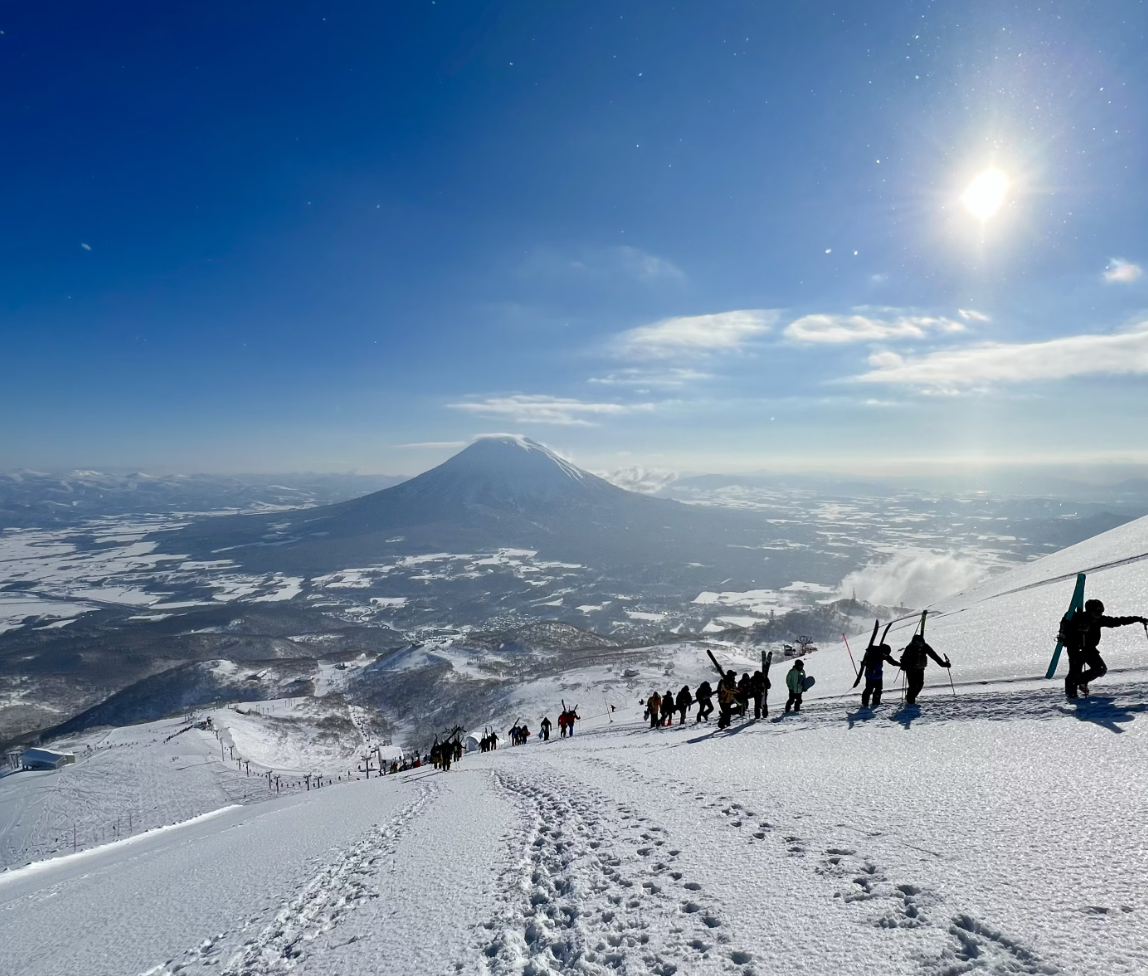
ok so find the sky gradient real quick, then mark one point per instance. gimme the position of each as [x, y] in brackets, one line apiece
[720, 236]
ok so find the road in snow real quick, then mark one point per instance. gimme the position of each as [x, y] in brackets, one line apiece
[1002, 832]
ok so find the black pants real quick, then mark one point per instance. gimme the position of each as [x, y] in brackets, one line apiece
[726, 715]
[794, 702]
[682, 712]
[759, 706]
[705, 709]
[1083, 668]
[873, 687]
[914, 682]
[545, 735]
[655, 719]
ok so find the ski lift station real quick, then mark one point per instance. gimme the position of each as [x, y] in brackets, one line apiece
[45, 759]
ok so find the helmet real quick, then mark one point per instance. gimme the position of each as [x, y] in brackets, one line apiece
[1094, 605]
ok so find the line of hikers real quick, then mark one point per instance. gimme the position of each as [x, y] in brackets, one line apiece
[519, 732]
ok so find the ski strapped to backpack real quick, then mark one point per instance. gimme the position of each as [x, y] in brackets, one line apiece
[1075, 605]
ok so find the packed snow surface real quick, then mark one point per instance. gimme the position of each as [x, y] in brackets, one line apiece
[960, 837]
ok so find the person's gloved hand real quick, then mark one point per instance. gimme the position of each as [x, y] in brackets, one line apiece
[948, 663]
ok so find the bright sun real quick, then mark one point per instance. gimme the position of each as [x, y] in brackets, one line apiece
[985, 194]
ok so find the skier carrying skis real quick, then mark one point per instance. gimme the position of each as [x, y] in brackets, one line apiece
[683, 702]
[873, 671]
[795, 682]
[1081, 637]
[544, 728]
[668, 708]
[704, 696]
[914, 660]
[727, 698]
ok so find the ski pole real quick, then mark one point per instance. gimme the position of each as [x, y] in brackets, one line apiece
[854, 663]
[951, 685]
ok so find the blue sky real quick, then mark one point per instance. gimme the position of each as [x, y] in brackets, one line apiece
[719, 236]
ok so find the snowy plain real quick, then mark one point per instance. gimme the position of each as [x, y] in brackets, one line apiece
[995, 828]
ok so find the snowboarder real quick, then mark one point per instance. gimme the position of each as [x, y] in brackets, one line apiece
[544, 728]
[668, 708]
[1081, 637]
[654, 710]
[914, 660]
[704, 696]
[683, 702]
[873, 671]
[758, 685]
[727, 698]
[795, 682]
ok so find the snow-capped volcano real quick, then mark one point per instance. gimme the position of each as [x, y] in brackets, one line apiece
[507, 471]
[501, 491]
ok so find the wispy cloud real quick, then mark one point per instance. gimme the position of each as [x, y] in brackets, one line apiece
[972, 315]
[541, 409]
[601, 263]
[953, 370]
[672, 378]
[694, 335]
[1121, 272]
[433, 445]
[840, 329]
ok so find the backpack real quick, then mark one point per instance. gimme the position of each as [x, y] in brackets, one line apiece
[1071, 634]
[914, 658]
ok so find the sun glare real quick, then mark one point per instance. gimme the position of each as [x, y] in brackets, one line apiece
[985, 194]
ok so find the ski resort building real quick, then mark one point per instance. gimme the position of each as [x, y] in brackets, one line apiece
[45, 759]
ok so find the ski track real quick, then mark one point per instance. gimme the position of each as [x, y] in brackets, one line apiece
[866, 894]
[583, 899]
[319, 907]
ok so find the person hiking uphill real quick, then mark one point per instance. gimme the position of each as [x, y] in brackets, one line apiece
[795, 682]
[914, 660]
[544, 728]
[654, 710]
[727, 698]
[758, 685]
[682, 703]
[704, 697]
[668, 707]
[873, 671]
[1081, 637]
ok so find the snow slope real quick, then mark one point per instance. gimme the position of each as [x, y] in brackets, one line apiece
[999, 831]
[1006, 628]
[952, 841]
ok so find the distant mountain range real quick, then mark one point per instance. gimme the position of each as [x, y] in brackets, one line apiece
[36, 499]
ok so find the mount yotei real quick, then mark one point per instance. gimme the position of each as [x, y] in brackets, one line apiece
[500, 492]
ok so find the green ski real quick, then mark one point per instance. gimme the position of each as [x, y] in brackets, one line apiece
[1076, 604]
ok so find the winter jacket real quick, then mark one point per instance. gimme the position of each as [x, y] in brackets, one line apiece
[794, 681]
[1082, 632]
[704, 692]
[726, 690]
[685, 699]
[873, 663]
[915, 656]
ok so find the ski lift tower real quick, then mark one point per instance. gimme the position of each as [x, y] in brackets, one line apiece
[805, 646]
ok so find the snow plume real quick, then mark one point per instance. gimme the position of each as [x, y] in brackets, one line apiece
[649, 481]
[914, 579]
